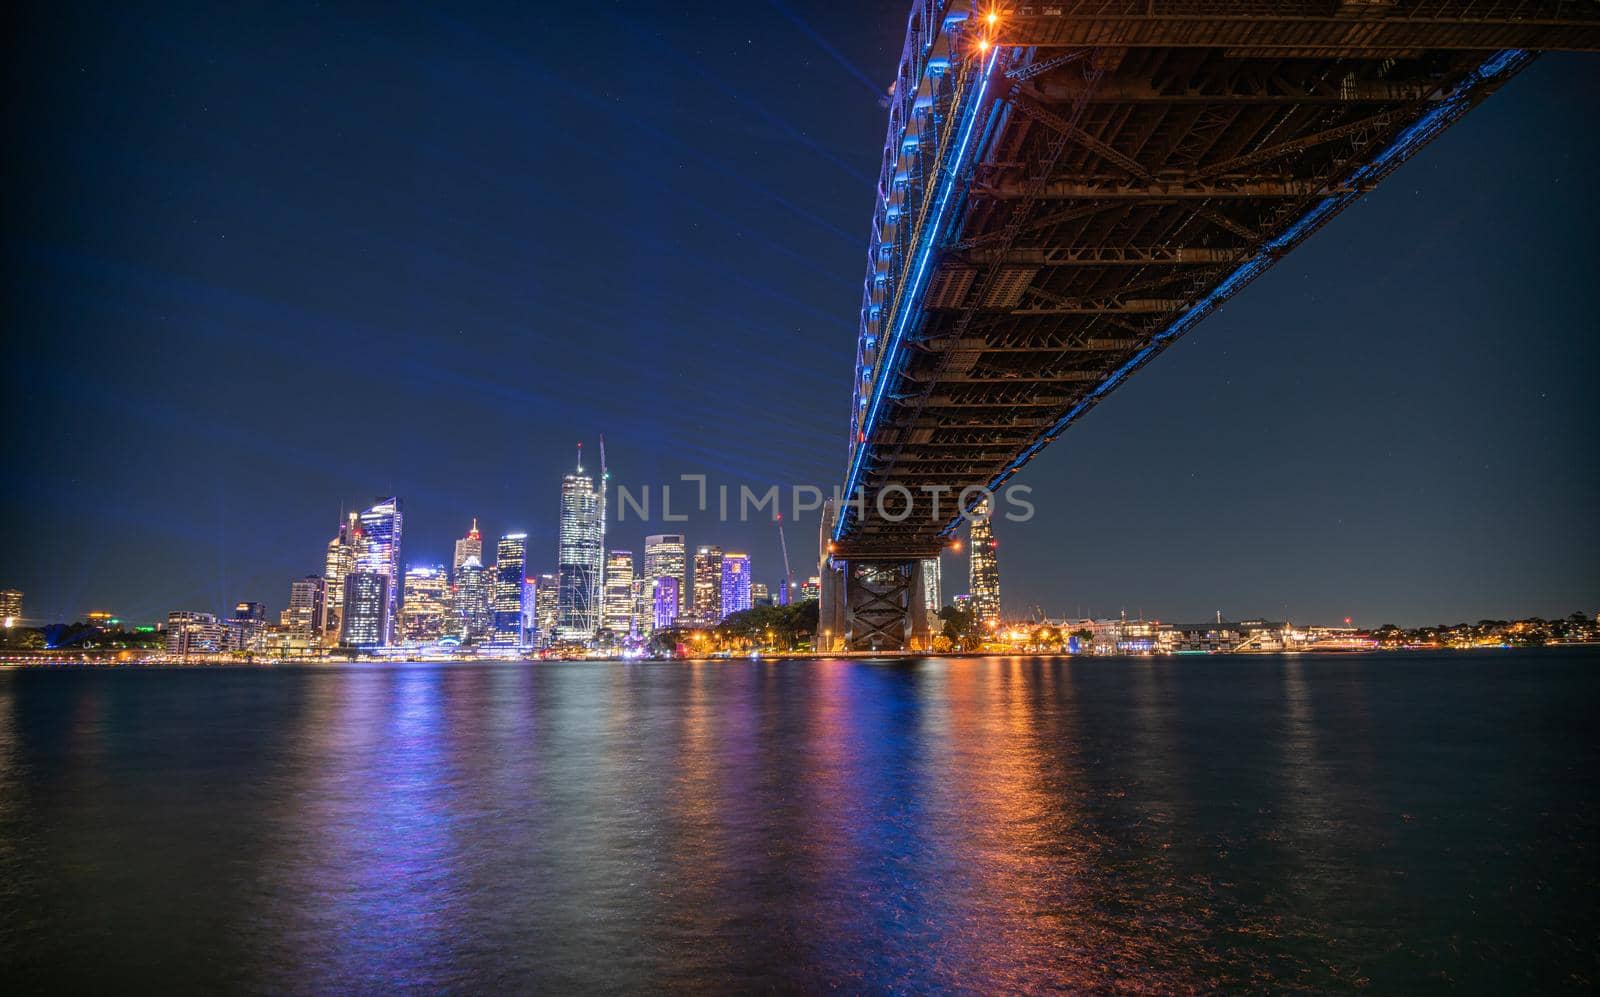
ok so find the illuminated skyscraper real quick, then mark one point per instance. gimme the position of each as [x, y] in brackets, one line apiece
[245, 627]
[474, 617]
[11, 607]
[708, 584]
[580, 570]
[643, 612]
[666, 556]
[366, 609]
[619, 593]
[378, 552]
[510, 564]
[735, 594]
[530, 592]
[340, 561]
[930, 590]
[470, 545]
[303, 618]
[424, 618]
[984, 578]
[546, 594]
[666, 601]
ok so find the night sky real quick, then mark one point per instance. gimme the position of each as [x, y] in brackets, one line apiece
[272, 260]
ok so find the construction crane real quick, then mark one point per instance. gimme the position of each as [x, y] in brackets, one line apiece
[788, 576]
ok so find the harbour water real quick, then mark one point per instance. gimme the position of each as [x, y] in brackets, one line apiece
[1394, 822]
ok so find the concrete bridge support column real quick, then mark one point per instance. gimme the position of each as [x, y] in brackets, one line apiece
[830, 608]
[919, 631]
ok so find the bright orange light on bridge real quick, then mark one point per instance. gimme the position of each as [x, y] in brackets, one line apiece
[983, 45]
[992, 18]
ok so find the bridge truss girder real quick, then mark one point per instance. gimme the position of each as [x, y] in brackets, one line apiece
[873, 605]
[1138, 162]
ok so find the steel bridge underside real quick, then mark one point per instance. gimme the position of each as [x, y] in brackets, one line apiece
[1133, 165]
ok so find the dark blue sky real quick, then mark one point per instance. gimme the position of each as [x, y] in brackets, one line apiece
[264, 262]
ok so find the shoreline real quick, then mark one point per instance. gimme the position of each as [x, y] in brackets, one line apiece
[118, 659]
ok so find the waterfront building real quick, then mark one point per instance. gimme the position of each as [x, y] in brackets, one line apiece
[666, 555]
[473, 610]
[378, 551]
[245, 628]
[666, 601]
[546, 599]
[930, 591]
[340, 561]
[470, 545]
[707, 584]
[984, 566]
[760, 595]
[1118, 635]
[11, 607]
[811, 588]
[1110, 636]
[735, 594]
[618, 616]
[303, 619]
[510, 579]
[367, 605]
[580, 569]
[193, 633]
[424, 616]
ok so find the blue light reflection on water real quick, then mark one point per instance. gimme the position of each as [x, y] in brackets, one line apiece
[921, 824]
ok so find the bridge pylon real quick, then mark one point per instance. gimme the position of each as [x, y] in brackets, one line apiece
[870, 604]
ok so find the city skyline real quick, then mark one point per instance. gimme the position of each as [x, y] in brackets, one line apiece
[351, 548]
[1278, 461]
[498, 604]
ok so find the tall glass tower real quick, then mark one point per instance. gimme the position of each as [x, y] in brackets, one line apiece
[470, 545]
[510, 564]
[619, 616]
[665, 557]
[474, 618]
[545, 590]
[366, 609]
[708, 584]
[735, 584]
[930, 590]
[341, 560]
[379, 553]
[984, 580]
[580, 564]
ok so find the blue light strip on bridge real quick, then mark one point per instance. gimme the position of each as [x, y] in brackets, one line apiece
[891, 350]
[1420, 133]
